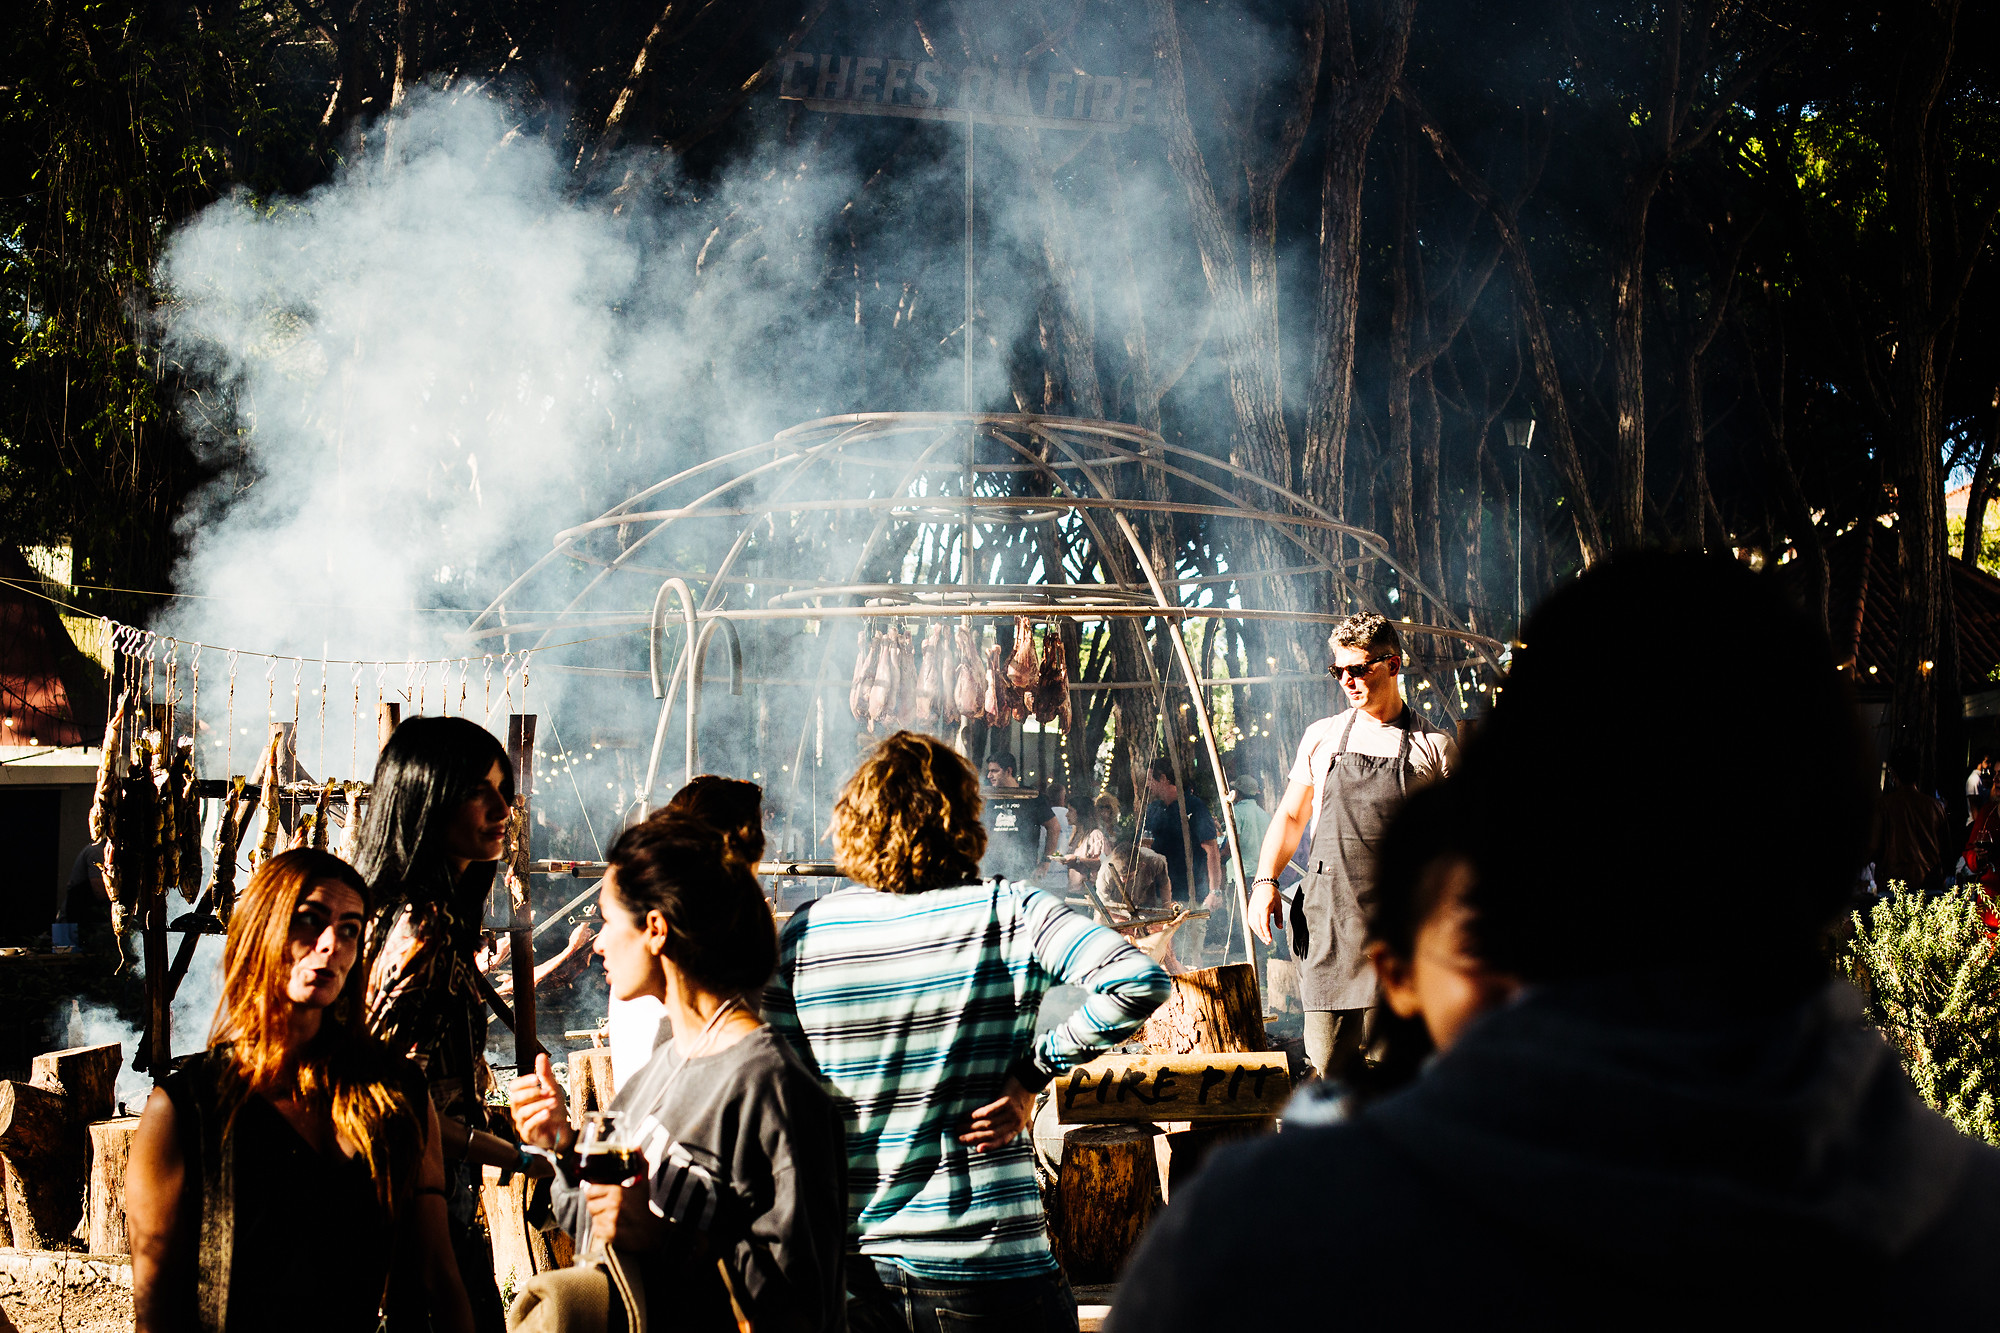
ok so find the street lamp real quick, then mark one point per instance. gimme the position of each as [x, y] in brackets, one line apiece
[1520, 432]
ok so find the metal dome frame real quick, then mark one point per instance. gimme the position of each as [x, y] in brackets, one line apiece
[938, 461]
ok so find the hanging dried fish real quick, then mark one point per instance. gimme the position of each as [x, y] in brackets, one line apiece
[904, 710]
[104, 799]
[186, 819]
[228, 838]
[267, 801]
[882, 689]
[322, 826]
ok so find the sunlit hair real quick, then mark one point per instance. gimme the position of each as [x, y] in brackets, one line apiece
[429, 769]
[343, 1071]
[732, 807]
[908, 820]
[1105, 810]
[1366, 630]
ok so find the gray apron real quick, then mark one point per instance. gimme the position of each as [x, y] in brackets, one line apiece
[1359, 794]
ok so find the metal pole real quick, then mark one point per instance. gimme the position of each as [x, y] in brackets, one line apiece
[1520, 508]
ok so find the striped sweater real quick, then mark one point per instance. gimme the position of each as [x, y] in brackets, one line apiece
[913, 1009]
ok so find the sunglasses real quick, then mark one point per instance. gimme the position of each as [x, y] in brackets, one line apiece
[1359, 669]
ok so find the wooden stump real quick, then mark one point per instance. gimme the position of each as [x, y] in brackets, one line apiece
[1105, 1194]
[1211, 1009]
[104, 1194]
[43, 1149]
[1182, 1152]
[85, 1076]
[590, 1082]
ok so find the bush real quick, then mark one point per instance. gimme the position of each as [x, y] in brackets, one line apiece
[1931, 974]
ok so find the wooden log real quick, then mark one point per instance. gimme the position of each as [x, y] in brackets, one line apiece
[590, 1082]
[40, 1145]
[387, 718]
[1106, 1191]
[85, 1077]
[1210, 1009]
[1113, 1089]
[104, 1189]
[1182, 1153]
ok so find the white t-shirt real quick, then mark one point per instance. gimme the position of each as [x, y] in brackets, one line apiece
[1431, 751]
[635, 1026]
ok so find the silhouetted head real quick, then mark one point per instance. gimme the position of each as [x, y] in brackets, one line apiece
[1730, 846]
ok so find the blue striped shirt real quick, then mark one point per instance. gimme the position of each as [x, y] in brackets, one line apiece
[913, 1009]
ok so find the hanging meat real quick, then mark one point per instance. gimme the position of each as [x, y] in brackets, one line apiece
[1050, 697]
[930, 698]
[885, 688]
[866, 648]
[967, 693]
[1022, 669]
[908, 713]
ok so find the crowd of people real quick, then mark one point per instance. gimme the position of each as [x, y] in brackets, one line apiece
[1588, 1086]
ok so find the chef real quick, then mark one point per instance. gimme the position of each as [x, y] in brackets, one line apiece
[1353, 770]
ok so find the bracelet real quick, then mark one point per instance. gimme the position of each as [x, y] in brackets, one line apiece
[468, 1139]
[1266, 879]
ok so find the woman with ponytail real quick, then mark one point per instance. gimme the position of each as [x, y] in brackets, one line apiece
[295, 1164]
[736, 1216]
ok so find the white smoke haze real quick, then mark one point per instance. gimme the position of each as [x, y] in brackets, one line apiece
[414, 375]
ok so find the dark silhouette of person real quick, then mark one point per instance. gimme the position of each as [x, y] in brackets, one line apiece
[1680, 1119]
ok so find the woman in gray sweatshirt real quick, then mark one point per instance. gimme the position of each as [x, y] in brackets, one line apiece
[742, 1197]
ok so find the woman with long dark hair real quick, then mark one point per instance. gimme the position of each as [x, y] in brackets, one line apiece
[435, 831]
[739, 1213]
[293, 1112]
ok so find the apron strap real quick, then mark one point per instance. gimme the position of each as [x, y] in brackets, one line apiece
[1404, 721]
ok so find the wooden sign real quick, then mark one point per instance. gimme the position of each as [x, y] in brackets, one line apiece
[1233, 1086]
[1055, 97]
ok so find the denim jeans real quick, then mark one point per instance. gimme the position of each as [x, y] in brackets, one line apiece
[882, 1298]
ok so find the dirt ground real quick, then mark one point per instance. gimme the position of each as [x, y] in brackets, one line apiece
[92, 1309]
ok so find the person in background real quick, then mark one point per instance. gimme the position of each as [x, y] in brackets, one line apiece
[1978, 786]
[914, 997]
[1680, 1118]
[1252, 823]
[735, 808]
[1425, 955]
[1912, 828]
[1022, 829]
[295, 1163]
[1056, 793]
[742, 1207]
[1352, 771]
[430, 843]
[1161, 831]
[1096, 831]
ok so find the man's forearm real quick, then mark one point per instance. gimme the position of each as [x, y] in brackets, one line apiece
[1280, 841]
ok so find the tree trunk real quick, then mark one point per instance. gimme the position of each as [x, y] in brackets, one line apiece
[1926, 708]
[1210, 1009]
[1354, 107]
[85, 1077]
[1106, 1189]
[1980, 496]
[1628, 362]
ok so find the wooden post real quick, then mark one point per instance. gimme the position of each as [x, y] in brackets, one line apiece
[1105, 1192]
[159, 981]
[1211, 1009]
[104, 1193]
[591, 1086]
[387, 718]
[521, 921]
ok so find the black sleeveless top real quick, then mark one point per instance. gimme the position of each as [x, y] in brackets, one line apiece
[288, 1236]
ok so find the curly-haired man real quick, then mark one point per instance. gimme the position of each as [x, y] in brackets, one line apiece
[914, 997]
[1352, 772]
